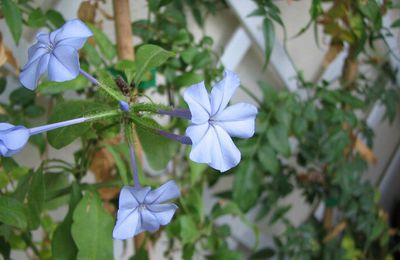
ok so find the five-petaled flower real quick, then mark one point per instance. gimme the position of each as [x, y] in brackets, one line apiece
[214, 122]
[140, 209]
[56, 52]
[12, 139]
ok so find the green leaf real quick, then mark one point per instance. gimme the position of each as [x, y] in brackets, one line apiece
[158, 149]
[269, 38]
[279, 213]
[149, 56]
[188, 79]
[37, 18]
[71, 109]
[396, 23]
[106, 46]
[22, 97]
[122, 170]
[246, 185]
[92, 228]
[3, 84]
[92, 55]
[12, 212]
[268, 159]
[62, 245]
[264, 253]
[55, 18]
[225, 253]
[189, 54]
[108, 85]
[13, 19]
[279, 139]
[35, 199]
[188, 230]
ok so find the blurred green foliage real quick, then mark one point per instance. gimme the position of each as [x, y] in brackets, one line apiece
[301, 143]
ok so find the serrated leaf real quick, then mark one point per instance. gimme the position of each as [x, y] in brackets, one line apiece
[12, 212]
[13, 18]
[106, 47]
[246, 185]
[149, 56]
[92, 228]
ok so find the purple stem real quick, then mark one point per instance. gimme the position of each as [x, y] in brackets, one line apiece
[134, 168]
[179, 138]
[45, 128]
[178, 112]
[89, 77]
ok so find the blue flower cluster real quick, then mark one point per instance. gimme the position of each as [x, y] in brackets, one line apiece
[213, 123]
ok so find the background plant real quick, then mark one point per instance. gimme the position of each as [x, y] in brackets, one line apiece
[328, 125]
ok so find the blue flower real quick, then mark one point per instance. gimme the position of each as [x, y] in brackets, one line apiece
[140, 209]
[14, 138]
[214, 123]
[56, 52]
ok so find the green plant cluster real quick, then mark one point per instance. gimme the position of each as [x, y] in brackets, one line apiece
[301, 143]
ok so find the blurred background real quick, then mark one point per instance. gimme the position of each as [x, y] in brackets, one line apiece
[240, 43]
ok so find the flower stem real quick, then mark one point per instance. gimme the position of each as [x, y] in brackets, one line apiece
[89, 77]
[179, 112]
[45, 128]
[179, 138]
[135, 175]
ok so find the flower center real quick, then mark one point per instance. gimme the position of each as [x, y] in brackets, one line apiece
[142, 207]
[50, 47]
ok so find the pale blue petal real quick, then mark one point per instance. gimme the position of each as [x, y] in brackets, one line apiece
[30, 75]
[149, 221]
[43, 38]
[35, 52]
[238, 120]
[140, 193]
[197, 132]
[73, 33]
[63, 64]
[198, 101]
[165, 192]
[126, 199]
[5, 126]
[12, 139]
[203, 141]
[163, 212]
[223, 91]
[216, 149]
[127, 224]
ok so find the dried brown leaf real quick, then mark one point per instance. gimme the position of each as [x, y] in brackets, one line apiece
[87, 11]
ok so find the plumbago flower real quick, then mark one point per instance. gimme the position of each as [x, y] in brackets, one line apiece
[214, 122]
[56, 52]
[140, 209]
[14, 138]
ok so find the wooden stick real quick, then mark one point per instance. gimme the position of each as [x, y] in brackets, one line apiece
[123, 29]
[124, 37]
